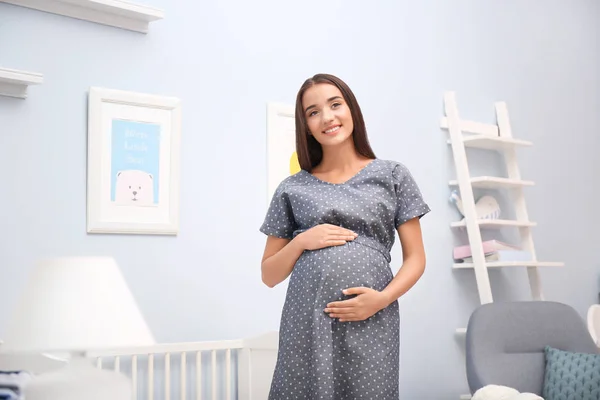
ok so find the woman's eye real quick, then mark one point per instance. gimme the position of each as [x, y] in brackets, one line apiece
[335, 104]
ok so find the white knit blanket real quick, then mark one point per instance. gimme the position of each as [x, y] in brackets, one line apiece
[497, 392]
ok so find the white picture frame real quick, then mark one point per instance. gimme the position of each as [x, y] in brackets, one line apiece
[133, 162]
[281, 145]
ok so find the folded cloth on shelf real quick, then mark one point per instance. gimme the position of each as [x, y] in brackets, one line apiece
[12, 384]
[498, 392]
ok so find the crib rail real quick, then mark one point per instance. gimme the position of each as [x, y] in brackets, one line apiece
[210, 370]
[186, 352]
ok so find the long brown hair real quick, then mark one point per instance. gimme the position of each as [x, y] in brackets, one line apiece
[309, 150]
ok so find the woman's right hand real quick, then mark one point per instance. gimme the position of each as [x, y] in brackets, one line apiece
[325, 235]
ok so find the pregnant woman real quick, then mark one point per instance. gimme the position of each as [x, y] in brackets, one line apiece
[330, 228]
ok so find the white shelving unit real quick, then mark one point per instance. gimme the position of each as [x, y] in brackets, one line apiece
[492, 182]
[464, 134]
[495, 223]
[118, 13]
[503, 264]
[14, 83]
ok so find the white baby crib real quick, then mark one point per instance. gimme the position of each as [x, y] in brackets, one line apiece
[220, 370]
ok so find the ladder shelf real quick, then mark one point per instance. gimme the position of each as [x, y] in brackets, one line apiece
[464, 134]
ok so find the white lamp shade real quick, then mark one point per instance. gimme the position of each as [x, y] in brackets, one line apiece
[76, 304]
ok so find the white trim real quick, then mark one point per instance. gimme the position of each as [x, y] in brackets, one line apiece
[465, 184]
[118, 13]
[14, 83]
[493, 142]
[471, 126]
[503, 264]
[163, 348]
[493, 182]
[495, 223]
[281, 143]
[103, 217]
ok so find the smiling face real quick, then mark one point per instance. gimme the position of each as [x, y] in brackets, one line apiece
[327, 114]
[324, 101]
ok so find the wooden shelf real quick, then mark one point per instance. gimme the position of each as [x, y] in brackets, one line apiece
[473, 127]
[503, 264]
[118, 13]
[497, 143]
[14, 83]
[492, 182]
[495, 224]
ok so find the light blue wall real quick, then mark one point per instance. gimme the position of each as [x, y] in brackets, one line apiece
[225, 60]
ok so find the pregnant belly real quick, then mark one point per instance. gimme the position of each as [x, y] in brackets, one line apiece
[324, 273]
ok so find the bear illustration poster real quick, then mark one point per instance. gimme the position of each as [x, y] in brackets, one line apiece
[133, 166]
[135, 162]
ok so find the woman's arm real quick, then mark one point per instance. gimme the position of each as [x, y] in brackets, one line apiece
[279, 258]
[413, 261]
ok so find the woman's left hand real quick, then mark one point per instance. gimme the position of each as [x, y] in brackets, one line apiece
[367, 302]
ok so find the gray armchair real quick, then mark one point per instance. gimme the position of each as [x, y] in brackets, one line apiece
[505, 342]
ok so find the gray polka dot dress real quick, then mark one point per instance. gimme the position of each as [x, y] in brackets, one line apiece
[320, 357]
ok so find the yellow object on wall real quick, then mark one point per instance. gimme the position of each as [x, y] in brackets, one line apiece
[294, 164]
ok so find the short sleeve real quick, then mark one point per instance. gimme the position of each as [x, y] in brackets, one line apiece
[279, 220]
[409, 200]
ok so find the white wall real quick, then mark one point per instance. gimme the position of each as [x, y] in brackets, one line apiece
[225, 60]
